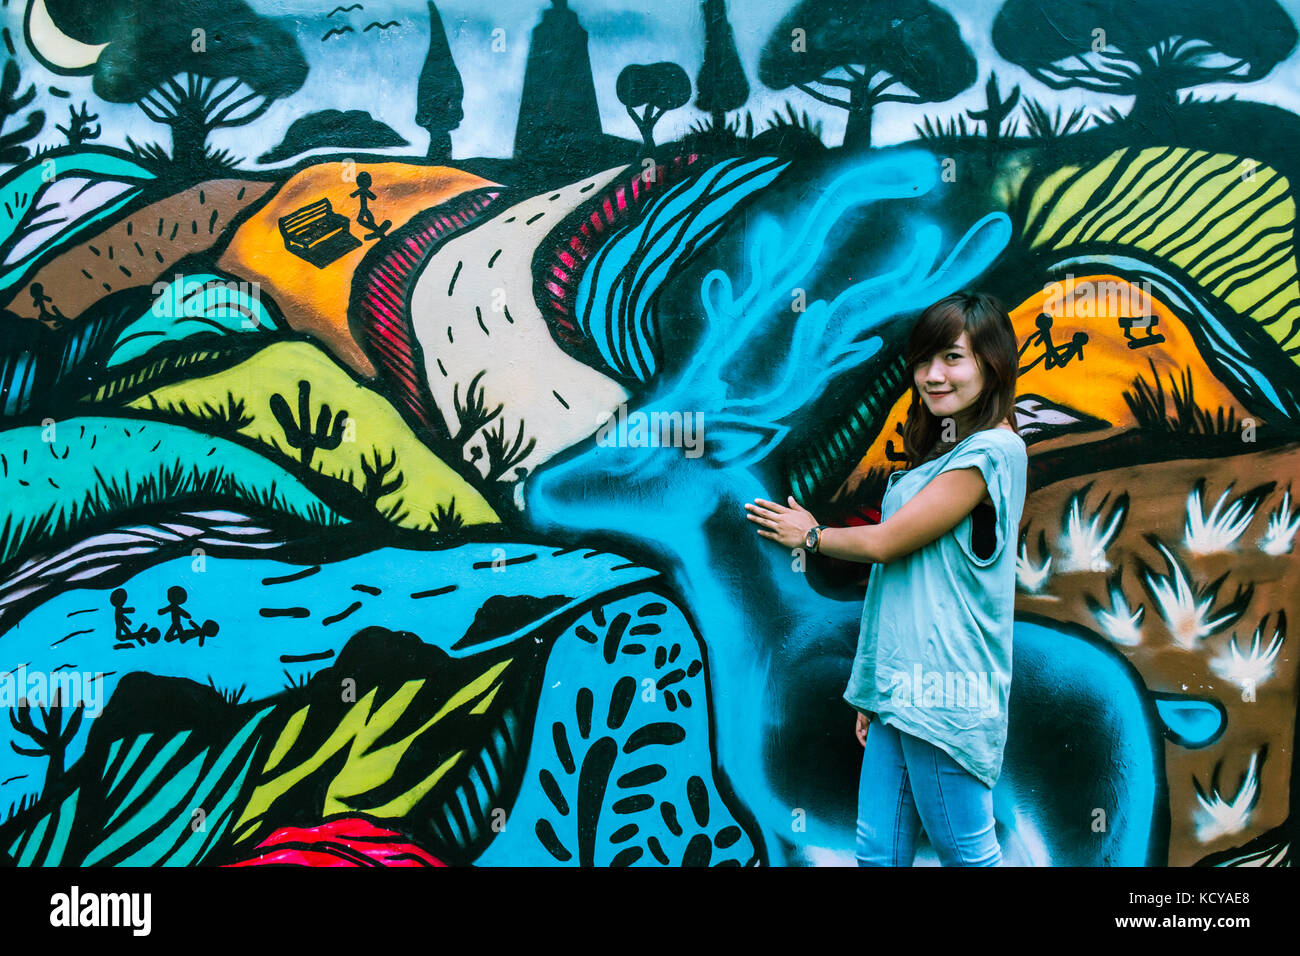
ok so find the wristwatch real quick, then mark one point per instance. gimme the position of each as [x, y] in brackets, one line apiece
[813, 539]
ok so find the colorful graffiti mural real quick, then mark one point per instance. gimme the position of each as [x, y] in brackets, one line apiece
[381, 386]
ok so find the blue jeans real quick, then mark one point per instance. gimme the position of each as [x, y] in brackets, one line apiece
[906, 783]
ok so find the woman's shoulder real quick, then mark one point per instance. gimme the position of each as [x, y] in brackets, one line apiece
[1002, 447]
[1000, 435]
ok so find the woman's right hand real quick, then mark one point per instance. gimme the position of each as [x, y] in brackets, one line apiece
[863, 723]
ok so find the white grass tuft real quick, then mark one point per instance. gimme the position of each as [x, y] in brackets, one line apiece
[1119, 623]
[1217, 532]
[1255, 666]
[1282, 526]
[1029, 577]
[1083, 546]
[1218, 817]
[1186, 610]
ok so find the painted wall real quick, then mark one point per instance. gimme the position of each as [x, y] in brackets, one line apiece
[381, 386]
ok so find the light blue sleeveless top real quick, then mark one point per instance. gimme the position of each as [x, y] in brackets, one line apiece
[934, 646]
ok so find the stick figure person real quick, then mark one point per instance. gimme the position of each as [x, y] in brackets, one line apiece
[365, 216]
[122, 623]
[176, 596]
[46, 310]
[1054, 356]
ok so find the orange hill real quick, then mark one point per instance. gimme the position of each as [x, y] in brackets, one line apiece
[315, 299]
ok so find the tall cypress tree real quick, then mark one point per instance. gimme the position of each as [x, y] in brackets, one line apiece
[721, 80]
[438, 101]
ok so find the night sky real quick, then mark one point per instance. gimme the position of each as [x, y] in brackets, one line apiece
[376, 70]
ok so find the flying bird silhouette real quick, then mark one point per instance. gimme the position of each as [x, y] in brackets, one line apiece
[337, 31]
[382, 26]
[355, 6]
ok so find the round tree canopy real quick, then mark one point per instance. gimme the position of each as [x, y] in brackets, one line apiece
[86, 22]
[914, 41]
[151, 41]
[664, 86]
[1040, 32]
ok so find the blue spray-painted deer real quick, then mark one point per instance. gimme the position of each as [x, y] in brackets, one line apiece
[779, 650]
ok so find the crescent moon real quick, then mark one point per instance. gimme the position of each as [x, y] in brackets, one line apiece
[54, 48]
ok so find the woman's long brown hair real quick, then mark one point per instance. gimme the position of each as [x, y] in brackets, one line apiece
[993, 343]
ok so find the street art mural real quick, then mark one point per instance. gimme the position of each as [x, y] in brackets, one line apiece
[381, 385]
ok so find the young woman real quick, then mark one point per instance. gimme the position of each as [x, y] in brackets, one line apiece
[934, 647]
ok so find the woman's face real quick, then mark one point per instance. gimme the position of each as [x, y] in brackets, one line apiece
[950, 381]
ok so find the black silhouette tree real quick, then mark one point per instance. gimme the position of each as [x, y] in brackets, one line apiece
[195, 67]
[52, 738]
[558, 112]
[1146, 50]
[721, 82]
[879, 51]
[438, 100]
[655, 88]
[11, 150]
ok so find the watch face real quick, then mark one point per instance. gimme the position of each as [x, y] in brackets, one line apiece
[811, 538]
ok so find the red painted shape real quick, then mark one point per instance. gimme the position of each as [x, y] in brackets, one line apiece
[351, 841]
